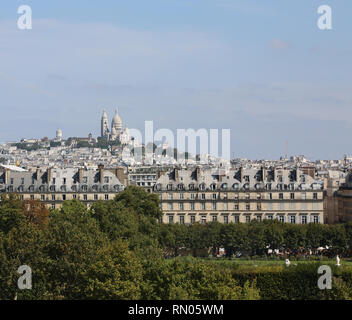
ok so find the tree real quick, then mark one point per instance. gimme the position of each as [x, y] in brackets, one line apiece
[142, 202]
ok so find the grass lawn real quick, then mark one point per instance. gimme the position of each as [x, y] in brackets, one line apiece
[272, 262]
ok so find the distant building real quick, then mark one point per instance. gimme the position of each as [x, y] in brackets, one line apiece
[240, 195]
[53, 186]
[343, 202]
[117, 133]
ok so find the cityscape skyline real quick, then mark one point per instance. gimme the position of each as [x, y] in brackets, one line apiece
[193, 70]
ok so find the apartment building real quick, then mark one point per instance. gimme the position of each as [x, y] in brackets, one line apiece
[53, 186]
[240, 195]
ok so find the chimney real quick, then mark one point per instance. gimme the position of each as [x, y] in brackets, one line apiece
[197, 173]
[263, 174]
[176, 173]
[80, 175]
[37, 174]
[101, 173]
[7, 176]
[120, 174]
[49, 174]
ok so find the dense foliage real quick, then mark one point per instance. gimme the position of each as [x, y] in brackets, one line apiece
[110, 251]
[117, 250]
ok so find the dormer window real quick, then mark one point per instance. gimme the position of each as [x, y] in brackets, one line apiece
[236, 186]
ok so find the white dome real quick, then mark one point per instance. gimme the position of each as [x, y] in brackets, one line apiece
[116, 121]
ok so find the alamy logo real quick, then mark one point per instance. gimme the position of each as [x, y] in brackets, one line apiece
[25, 20]
[25, 280]
[325, 20]
[324, 281]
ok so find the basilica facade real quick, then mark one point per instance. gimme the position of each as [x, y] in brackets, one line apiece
[116, 132]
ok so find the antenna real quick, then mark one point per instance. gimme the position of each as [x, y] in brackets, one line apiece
[286, 150]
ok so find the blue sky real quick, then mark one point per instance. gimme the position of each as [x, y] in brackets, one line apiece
[261, 68]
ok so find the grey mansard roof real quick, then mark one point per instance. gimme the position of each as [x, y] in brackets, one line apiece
[237, 179]
[60, 180]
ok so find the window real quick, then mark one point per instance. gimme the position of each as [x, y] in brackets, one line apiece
[192, 206]
[259, 196]
[215, 218]
[203, 196]
[247, 196]
[32, 197]
[42, 197]
[192, 196]
[237, 207]
[203, 219]
[182, 196]
[226, 219]
[85, 197]
[259, 218]
[282, 218]
[203, 206]
[170, 206]
[259, 206]
[84, 180]
[181, 206]
[303, 196]
[11, 181]
[170, 196]
[64, 181]
[63, 197]
[292, 219]
[171, 219]
[248, 218]
[315, 196]
[53, 197]
[237, 219]
[281, 196]
[270, 217]
[182, 219]
[270, 196]
[95, 197]
[193, 219]
[214, 205]
[303, 219]
[214, 196]
[292, 196]
[74, 196]
[53, 206]
[106, 197]
[248, 207]
[236, 196]
[315, 219]
[22, 180]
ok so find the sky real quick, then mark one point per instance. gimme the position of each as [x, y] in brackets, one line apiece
[261, 68]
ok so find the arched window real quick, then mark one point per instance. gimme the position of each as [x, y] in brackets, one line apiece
[202, 186]
[213, 186]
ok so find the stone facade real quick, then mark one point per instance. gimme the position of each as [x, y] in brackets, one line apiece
[240, 195]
